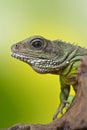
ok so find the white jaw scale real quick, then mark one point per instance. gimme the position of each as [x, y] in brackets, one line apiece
[18, 56]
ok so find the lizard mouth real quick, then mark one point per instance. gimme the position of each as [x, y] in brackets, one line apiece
[40, 65]
[19, 56]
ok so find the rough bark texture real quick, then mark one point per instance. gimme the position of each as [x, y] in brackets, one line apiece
[76, 117]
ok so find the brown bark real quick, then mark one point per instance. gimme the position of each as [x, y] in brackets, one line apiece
[76, 117]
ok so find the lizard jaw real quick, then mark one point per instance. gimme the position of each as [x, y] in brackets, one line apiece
[39, 65]
[33, 62]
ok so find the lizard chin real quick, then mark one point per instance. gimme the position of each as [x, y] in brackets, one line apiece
[33, 62]
[39, 65]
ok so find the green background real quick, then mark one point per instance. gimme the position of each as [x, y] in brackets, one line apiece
[25, 96]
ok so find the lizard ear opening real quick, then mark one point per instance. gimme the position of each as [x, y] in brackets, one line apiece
[37, 44]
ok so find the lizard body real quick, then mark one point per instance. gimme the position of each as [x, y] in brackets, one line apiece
[55, 57]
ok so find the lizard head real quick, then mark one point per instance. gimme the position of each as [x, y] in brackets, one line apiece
[38, 52]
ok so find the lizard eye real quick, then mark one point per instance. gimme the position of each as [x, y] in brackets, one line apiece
[37, 44]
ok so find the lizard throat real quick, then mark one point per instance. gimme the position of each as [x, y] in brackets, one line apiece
[38, 64]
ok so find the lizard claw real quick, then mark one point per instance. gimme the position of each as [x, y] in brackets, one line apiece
[60, 109]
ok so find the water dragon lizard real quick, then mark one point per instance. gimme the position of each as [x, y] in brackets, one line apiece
[55, 57]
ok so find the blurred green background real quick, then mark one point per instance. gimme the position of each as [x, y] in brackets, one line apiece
[25, 96]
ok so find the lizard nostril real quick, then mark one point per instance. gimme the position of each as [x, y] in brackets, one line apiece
[17, 46]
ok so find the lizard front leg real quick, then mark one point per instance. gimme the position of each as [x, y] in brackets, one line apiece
[63, 100]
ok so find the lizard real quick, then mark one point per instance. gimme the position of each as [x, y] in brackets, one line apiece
[54, 57]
